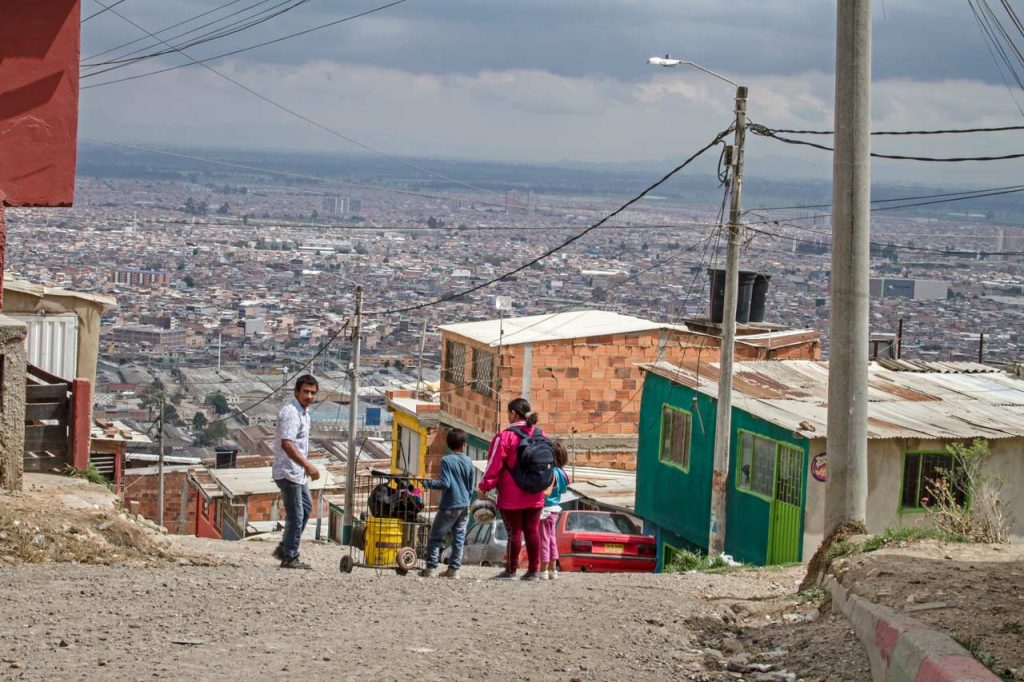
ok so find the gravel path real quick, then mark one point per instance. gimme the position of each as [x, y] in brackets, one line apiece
[249, 619]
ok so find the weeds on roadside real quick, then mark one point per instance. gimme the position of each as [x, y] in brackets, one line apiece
[813, 594]
[965, 500]
[1013, 627]
[89, 473]
[683, 561]
[973, 647]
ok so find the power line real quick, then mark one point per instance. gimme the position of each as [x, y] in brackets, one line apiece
[718, 138]
[99, 12]
[216, 34]
[202, 62]
[955, 197]
[989, 43]
[947, 131]
[763, 131]
[289, 380]
[303, 117]
[168, 28]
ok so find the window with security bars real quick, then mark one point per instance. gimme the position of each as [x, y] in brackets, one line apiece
[789, 477]
[675, 437]
[921, 471]
[756, 466]
[455, 363]
[483, 372]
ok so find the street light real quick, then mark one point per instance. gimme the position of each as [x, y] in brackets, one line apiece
[723, 422]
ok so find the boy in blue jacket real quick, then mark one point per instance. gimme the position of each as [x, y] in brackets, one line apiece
[456, 482]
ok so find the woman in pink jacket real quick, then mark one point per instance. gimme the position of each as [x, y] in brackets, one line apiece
[519, 510]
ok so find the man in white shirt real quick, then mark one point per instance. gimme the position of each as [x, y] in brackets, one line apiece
[292, 469]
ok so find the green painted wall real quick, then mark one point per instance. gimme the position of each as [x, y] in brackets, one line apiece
[749, 514]
[679, 503]
[675, 500]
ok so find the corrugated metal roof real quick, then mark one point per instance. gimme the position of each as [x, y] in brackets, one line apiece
[555, 327]
[260, 480]
[941, 403]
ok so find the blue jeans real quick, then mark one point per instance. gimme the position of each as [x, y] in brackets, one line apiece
[454, 520]
[298, 505]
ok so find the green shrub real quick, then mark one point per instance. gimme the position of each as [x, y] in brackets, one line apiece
[683, 561]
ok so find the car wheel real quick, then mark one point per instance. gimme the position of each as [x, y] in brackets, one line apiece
[486, 564]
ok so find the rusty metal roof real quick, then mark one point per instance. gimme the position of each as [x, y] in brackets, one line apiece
[946, 400]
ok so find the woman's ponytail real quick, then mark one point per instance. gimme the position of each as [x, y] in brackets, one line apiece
[532, 419]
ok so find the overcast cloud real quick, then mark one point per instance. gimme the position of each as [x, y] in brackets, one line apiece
[545, 81]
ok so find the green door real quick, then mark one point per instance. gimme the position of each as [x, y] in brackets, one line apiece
[786, 527]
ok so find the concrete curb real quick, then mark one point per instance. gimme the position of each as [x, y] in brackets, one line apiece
[902, 649]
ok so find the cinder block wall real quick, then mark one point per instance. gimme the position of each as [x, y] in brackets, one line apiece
[12, 402]
[179, 502]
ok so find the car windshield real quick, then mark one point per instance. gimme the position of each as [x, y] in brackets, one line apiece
[499, 532]
[597, 522]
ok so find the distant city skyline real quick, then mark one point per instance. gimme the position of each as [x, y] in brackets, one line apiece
[540, 82]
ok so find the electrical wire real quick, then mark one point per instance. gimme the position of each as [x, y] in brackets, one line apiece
[236, 27]
[989, 43]
[947, 131]
[203, 62]
[167, 28]
[763, 131]
[882, 201]
[289, 380]
[99, 12]
[444, 299]
[303, 117]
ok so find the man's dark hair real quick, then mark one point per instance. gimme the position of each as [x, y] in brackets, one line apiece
[304, 380]
[456, 440]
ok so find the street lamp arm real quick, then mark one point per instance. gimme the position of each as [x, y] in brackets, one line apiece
[670, 62]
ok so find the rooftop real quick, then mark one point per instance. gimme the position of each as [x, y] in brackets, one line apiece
[905, 400]
[555, 327]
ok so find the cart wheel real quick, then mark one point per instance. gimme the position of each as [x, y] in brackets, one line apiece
[406, 558]
[346, 564]
[401, 571]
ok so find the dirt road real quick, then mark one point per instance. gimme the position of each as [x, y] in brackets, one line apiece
[252, 619]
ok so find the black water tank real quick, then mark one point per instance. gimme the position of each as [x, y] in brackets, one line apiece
[759, 298]
[745, 292]
[226, 456]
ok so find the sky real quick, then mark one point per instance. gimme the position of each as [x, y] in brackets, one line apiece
[540, 81]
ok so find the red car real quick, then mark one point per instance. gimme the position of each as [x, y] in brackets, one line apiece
[603, 542]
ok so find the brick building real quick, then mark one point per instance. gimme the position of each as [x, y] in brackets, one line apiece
[143, 486]
[136, 276]
[579, 370]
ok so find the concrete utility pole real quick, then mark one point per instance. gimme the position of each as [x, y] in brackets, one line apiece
[723, 419]
[353, 405]
[847, 486]
[160, 468]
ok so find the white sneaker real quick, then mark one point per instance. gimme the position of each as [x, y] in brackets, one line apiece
[544, 575]
[552, 575]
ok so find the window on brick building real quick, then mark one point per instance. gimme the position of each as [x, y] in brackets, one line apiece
[483, 371]
[454, 363]
[675, 437]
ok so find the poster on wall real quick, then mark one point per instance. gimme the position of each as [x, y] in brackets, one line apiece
[819, 467]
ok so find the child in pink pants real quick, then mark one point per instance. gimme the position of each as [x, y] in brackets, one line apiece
[549, 516]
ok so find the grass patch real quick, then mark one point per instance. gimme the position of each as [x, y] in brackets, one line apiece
[973, 647]
[89, 473]
[1013, 627]
[893, 535]
[684, 561]
[813, 594]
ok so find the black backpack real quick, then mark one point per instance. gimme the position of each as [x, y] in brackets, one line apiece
[535, 461]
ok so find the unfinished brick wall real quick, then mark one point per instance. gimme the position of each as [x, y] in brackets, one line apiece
[179, 507]
[590, 383]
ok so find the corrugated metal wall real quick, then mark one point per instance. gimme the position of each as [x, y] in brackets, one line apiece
[52, 343]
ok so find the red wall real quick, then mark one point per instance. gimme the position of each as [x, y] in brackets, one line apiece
[39, 53]
[204, 524]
